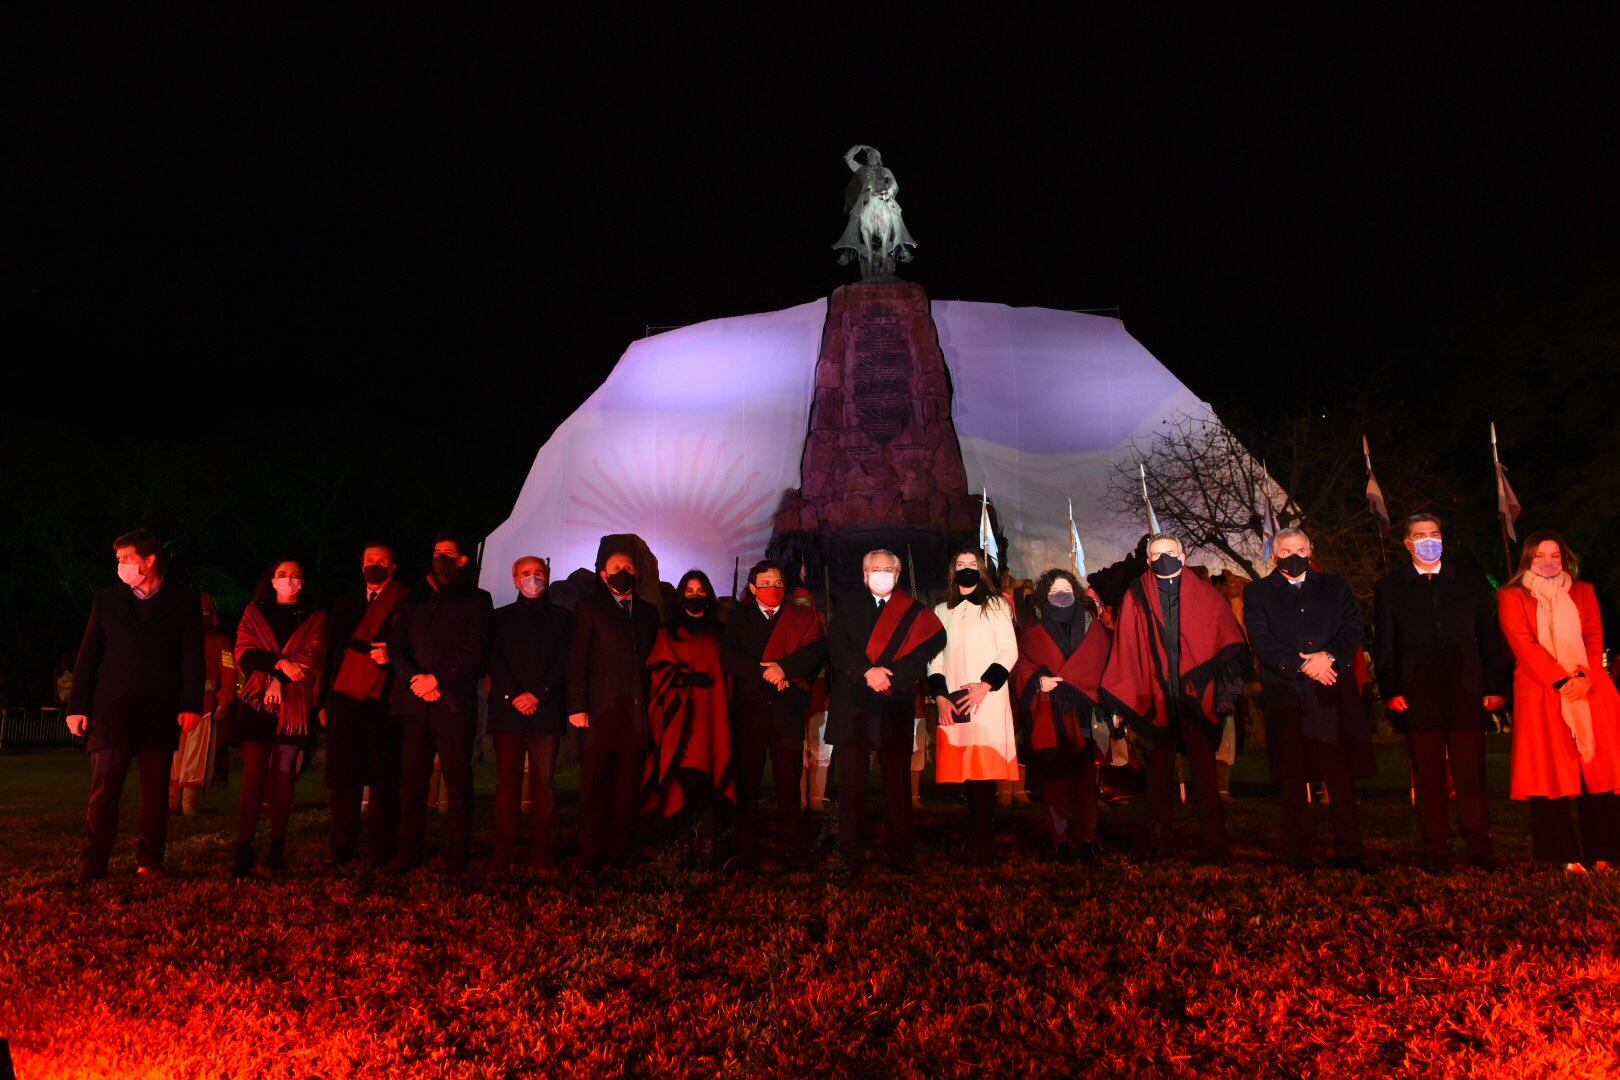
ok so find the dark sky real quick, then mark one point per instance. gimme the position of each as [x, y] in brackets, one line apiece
[480, 223]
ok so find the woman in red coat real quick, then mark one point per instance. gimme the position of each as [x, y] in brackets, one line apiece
[1566, 713]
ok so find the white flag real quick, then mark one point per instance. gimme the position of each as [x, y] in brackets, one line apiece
[1076, 552]
[1507, 503]
[1147, 503]
[987, 535]
[1375, 494]
[1268, 522]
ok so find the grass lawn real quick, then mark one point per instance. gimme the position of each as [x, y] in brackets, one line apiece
[1024, 968]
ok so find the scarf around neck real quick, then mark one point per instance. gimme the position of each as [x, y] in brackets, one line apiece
[1558, 629]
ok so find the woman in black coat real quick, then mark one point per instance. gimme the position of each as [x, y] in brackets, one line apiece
[528, 662]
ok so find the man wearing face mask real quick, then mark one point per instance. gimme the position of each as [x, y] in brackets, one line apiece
[878, 647]
[1442, 670]
[614, 630]
[439, 649]
[137, 684]
[1305, 629]
[1177, 666]
[772, 649]
[363, 747]
[528, 661]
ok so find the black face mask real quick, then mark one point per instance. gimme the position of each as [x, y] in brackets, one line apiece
[1164, 564]
[445, 567]
[374, 574]
[1061, 606]
[622, 581]
[696, 605]
[1294, 565]
[968, 577]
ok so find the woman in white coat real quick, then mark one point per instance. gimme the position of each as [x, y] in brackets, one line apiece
[975, 744]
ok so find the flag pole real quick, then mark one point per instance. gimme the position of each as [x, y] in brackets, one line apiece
[1501, 517]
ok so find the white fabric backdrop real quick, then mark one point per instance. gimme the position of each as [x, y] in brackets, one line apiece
[697, 432]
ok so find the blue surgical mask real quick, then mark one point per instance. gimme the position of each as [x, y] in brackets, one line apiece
[1428, 549]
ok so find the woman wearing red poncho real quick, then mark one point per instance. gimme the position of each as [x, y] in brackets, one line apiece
[1566, 713]
[1171, 621]
[689, 773]
[1062, 651]
[975, 744]
[280, 650]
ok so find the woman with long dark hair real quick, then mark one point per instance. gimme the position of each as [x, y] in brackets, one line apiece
[690, 772]
[280, 648]
[1062, 651]
[976, 742]
[1566, 713]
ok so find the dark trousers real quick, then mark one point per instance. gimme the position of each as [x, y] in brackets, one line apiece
[1071, 802]
[755, 740]
[981, 801]
[1335, 774]
[854, 760]
[1556, 838]
[609, 796]
[1162, 793]
[267, 769]
[450, 735]
[1464, 751]
[512, 750]
[108, 768]
[364, 749]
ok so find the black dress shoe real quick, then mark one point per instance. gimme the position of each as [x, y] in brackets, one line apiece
[401, 864]
[1356, 863]
[1482, 862]
[276, 857]
[91, 871]
[1089, 854]
[1063, 853]
[242, 861]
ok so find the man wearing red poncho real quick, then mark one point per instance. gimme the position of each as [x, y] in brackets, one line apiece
[1174, 622]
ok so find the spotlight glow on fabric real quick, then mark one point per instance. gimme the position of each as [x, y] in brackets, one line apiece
[697, 432]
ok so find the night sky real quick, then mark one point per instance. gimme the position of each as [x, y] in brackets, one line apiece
[462, 232]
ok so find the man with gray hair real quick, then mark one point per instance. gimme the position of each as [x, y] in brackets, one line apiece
[1305, 630]
[878, 648]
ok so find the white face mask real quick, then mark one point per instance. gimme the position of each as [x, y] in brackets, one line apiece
[531, 585]
[129, 572]
[881, 582]
[287, 586]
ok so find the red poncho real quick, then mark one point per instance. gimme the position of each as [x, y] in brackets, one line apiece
[1054, 728]
[690, 726]
[1214, 655]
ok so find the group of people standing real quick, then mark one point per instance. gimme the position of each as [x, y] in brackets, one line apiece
[678, 714]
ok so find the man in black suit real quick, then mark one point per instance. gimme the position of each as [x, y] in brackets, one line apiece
[528, 663]
[439, 649]
[878, 647]
[614, 630]
[363, 746]
[1305, 629]
[137, 683]
[771, 649]
[1442, 669]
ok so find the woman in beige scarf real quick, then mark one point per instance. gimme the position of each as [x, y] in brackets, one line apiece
[1566, 715]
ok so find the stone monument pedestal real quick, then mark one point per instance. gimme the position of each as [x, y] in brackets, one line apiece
[882, 466]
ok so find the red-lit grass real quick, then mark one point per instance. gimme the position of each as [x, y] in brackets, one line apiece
[1027, 968]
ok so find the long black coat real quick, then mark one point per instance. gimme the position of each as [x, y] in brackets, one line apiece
[1438, 644]
[1323, 616]
[342, 619]
[741, 647]
[140, 666]
[607, 669]
[529, 655]
[856, 714]
[444, 633]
